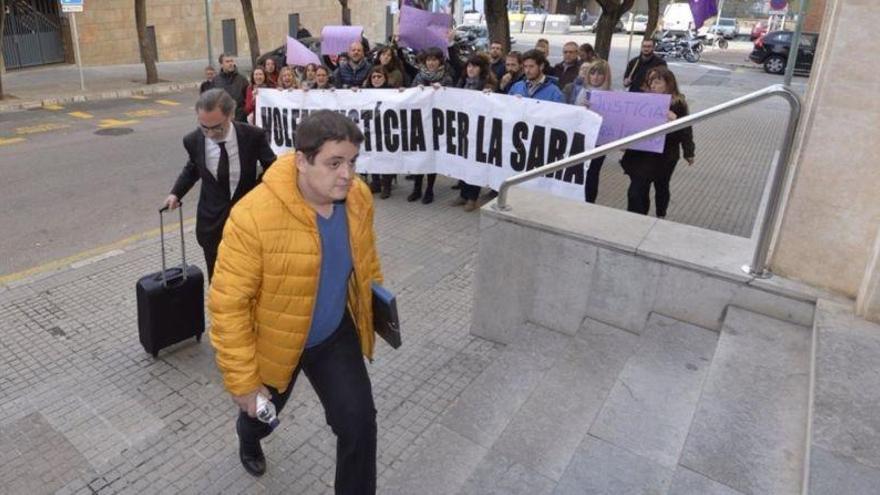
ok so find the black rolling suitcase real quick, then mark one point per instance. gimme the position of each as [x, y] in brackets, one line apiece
[171, 303]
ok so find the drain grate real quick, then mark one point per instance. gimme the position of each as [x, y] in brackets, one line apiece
[114, 131]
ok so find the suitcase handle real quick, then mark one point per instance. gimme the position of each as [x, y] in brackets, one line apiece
[177, 274]
[162, 238]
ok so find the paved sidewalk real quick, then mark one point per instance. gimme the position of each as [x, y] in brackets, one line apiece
[736, 56]
[85, 410]
[56, 84]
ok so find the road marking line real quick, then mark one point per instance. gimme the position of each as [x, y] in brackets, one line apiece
[168, 102]
[4, 141]
[53, 107]
[101, 251]
[115, 123]
[148, 112]
[139, 97]
[35, 129]
[81, 115]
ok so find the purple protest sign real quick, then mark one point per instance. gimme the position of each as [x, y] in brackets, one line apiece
[336, 39]
[420, 29]
[624, 114]
[299, 54]
[702, 10]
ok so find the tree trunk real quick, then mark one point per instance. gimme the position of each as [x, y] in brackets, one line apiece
[612, 11]
[497, 22]
[2, 61]
[247, 9]
[140, 19]
[346, 13]
[653, 18]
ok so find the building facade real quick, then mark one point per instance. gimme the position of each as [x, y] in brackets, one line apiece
[178, 30]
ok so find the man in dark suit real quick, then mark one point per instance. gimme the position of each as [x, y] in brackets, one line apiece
[224, 154]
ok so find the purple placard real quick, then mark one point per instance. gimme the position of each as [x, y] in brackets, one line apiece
[299, 54]
[336, 39]
[624, 114]
[420, 29]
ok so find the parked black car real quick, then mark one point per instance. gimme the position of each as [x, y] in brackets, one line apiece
[771, 51]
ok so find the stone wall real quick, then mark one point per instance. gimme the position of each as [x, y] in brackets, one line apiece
[828, 234]
[108, 35]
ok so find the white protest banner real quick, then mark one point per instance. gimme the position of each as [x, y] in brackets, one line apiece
[469, 135]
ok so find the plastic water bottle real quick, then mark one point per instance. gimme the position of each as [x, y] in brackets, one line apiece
[266, 411]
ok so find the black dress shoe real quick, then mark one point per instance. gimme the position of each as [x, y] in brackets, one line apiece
[252, 457]
[428, 198]
[414, 196]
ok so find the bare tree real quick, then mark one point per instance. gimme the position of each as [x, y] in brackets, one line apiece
[247, 9]
[140, 19]
[2, 24]
[612, 11]
[498, 22]
[346, 13]
[653, 18]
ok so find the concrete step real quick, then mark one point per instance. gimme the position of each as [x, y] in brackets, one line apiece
[749, 432]
[455, 447]
[650, 409]
[845, 450]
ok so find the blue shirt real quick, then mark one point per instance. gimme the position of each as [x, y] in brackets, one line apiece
[547, 91]
[336, 266]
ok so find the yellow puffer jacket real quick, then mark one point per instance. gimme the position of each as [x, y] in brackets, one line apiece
[266, 280]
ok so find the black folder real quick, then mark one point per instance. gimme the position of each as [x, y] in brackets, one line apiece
[385, 319]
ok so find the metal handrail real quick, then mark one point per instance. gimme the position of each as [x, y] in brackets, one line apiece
[758, 267]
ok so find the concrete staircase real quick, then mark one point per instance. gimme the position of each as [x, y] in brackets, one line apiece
[674, 409]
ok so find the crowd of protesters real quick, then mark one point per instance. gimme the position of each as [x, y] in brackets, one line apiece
[526, 74]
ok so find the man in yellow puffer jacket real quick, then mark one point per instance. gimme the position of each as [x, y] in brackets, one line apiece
[292, 292]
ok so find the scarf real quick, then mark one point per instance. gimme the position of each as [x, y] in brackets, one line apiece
[473, 83]
[431, 77]
[533, 87]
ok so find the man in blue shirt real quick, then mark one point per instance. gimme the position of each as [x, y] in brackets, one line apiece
[536, 84]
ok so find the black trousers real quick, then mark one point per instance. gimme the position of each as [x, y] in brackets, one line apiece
[591, 184]
[469, 192]
[337, 372]
[417, 182]
[639, 193]
[210, 250]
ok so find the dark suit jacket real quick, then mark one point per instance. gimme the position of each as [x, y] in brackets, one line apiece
[214, 204]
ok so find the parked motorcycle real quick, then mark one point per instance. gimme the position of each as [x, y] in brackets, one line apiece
[679, 47]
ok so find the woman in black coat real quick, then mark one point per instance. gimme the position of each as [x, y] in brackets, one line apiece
[477, 76]
[644, 167]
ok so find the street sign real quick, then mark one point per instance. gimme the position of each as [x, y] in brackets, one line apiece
[71, 5]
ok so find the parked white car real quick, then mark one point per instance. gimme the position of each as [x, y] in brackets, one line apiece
[726, 27]
[638, 26]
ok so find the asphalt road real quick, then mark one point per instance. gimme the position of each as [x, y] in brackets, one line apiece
[68, 189]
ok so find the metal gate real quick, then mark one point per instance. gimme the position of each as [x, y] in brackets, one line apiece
[32, 35]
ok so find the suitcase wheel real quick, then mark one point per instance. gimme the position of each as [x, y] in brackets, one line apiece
[155, 354]
[198, 337]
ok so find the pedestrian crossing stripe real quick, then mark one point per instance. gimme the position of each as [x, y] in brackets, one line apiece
[53, 107]
[168, 102]
[81, 115]
[35, 129]
[115, 123]
[4, 141]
